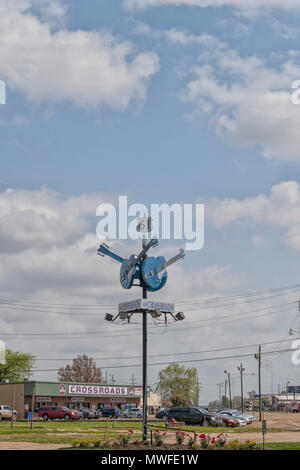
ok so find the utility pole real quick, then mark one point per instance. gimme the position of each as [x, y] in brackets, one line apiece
[258, 357]
[287, 397]
[112, 379]
[13, 407]
[225, 392]
[220, 394]
[133, 381]
[241, 369]
[229, 388]
[32, 407]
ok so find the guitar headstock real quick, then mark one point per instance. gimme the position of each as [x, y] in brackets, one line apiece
[103, 249]
[153, 242]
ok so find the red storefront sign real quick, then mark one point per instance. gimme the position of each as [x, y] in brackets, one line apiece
[97, 390]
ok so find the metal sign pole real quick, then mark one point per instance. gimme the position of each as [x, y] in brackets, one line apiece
[152, 275]
[144, 357]
[144, 369]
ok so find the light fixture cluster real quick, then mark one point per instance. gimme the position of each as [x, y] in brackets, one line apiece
[179, 316]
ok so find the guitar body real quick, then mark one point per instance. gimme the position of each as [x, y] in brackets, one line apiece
[126, 282]
[150, 277]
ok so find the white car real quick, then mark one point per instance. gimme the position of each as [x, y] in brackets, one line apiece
[6, 412]
[133, 413]
[247, 417]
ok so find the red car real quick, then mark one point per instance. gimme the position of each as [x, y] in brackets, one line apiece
[58, 412]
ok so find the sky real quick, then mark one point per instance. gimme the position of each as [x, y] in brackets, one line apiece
[164, 101]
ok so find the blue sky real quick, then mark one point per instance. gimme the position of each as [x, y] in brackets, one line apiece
[165, 103]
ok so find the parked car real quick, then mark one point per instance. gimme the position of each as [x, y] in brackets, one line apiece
[111, 412]
[98, 414]
[87, 413]
[187, 414]
[239, 415]
[246, 416]
[234, 415]
[222, 419]
[58, 412]
[133, 413]
[162, 414]
[295, 408]
[6, 412]
[208, 415]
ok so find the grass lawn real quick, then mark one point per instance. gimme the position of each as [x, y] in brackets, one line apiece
[282, 445]
[62, 432]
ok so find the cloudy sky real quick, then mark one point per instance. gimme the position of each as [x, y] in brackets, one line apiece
[163, 101]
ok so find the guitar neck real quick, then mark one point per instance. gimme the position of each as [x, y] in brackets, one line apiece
[170, 261]
[104, 251]
[152, 242]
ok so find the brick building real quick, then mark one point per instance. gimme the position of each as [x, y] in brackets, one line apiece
[70, 394]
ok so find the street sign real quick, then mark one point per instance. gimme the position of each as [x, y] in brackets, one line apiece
[140, 305]
[294, 389]
[264, 426]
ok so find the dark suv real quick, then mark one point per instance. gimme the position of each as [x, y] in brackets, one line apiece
[111, 412]
[58, 412]
[187, 414]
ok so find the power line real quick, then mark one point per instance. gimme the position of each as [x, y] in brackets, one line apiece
[214, 321]
[177, 353]
[13, 303]
[174, 362]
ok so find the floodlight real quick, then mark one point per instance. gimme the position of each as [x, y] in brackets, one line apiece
[123, 315]
[156, 313]
[109, 317]
[179, 316]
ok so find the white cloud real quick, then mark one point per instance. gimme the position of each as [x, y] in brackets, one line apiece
[178, 36]
[88, 68]
[244, 5]
[280, 209]
[51, 260]
[247, 101]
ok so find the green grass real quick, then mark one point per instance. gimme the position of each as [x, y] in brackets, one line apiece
[61, 432]
[281, 445]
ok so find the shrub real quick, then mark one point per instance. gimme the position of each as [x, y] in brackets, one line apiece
[204, 441]
[221, 440]
[159, 437]
[233, 444]
[75, 444]
[85, 444]
[97, 443]
[250, 444]
[180, 436]
[125, 438]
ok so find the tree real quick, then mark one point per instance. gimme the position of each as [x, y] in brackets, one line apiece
[82, 369]
[179, 400]
[17, 366]
[176, 380]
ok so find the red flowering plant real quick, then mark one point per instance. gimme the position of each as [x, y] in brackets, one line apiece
[192, 440]
[180, 436]
[204, 441]
[159, 437]
[221, 440]
[125, 438]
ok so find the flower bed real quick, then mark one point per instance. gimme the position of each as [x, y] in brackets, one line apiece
[184, 441]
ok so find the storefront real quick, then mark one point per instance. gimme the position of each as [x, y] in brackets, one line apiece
[70, 394]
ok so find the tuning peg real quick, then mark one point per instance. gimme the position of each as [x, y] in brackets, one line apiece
[100, 254]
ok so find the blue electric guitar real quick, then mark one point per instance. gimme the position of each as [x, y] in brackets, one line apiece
[130, 268]
[154, 272]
